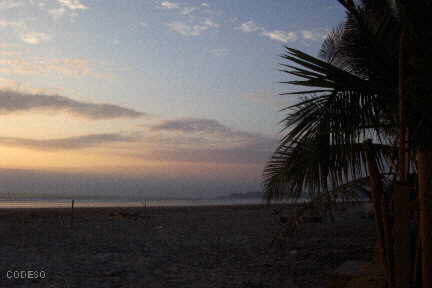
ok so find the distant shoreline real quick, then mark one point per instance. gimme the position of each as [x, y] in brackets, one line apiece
[108, 203]
[97, 203]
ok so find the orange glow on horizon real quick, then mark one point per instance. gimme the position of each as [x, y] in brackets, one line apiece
[95, 162]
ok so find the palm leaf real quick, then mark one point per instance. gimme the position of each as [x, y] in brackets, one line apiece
[298, 170]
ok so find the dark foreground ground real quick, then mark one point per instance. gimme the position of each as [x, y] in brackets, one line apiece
[239, 246]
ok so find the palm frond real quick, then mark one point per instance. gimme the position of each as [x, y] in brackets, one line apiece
[298, 170]
[349, 104]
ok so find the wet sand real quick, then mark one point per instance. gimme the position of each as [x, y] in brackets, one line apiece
[231, 246]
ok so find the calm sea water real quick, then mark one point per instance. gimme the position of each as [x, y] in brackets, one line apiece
[41, 203]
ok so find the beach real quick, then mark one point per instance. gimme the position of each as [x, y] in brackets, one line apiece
[209, 246]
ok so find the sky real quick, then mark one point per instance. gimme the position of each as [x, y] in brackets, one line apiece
[147, 97]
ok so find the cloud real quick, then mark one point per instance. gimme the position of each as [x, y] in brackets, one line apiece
[70, 143]
[180, 140]
[314, 35]
[35, 37]
[249, 27]
[8, 45]
[31, 65]
[190, 25]
[169, 5]
[14, 101]
[192, 125]
[61, 8]
[57, 13]
[9, 4]
[24, 33]
[9, 53]
[192, 131]
[72, 4]
[281, 35]
[208, 22]
[183, 10]
[188, 10]
[207, 140]
[12, 24]
[186, 29]
[278, 35]
[220, 52]
[7, 83]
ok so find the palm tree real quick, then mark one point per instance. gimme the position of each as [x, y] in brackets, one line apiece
[360, 89]
[351, 99]
[416, 122]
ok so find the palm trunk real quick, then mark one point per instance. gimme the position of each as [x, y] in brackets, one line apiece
[377, 193]
[389, 242]
[424, 158]
[402, 248]
[401, 189]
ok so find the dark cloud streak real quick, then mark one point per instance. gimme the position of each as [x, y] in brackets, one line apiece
[70, 143]
[200, 125]
[244, 148]
[14, 101]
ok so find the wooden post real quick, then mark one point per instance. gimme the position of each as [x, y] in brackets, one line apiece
[72, 213]
[425, 202]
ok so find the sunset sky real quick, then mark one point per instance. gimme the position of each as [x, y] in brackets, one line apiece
[170, 98]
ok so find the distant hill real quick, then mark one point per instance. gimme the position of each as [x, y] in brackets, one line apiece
[247, 195]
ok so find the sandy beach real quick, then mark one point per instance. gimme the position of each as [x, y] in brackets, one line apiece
[236, 246]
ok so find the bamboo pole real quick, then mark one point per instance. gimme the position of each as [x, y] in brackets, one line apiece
[425, 202]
